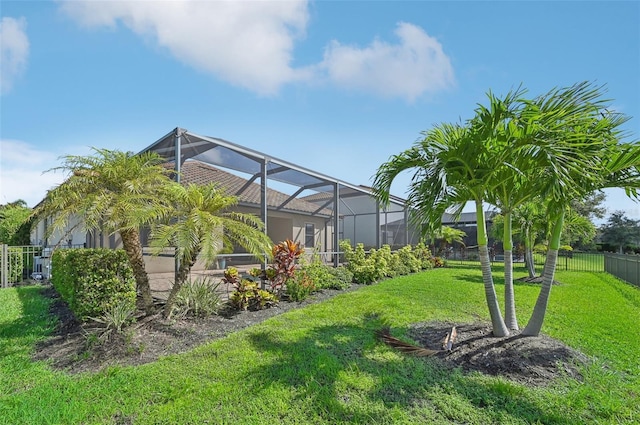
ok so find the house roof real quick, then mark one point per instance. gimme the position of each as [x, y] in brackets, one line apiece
[465, 218]
[218, 152]
[248, 193]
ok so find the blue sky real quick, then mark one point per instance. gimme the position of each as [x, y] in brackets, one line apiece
[334, 86]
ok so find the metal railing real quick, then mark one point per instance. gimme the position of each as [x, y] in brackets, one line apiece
[624, 267]
[25, 263]
[572, 261]
[20, 263]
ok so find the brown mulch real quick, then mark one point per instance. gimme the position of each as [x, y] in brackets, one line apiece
[527, 360]
[71, 347]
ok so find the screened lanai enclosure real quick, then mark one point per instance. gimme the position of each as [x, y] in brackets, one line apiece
[294, 202]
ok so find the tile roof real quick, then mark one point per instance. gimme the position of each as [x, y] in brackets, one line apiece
[200, 173]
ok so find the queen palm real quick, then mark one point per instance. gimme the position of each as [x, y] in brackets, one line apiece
[199, 224]
[110, 191]
[451, 167]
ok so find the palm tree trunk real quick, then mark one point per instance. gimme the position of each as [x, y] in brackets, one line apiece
[182, 274]
[531, 269]
[499, 327]
[133, 248]
[540, 309]
[509, 298]
[528, 254]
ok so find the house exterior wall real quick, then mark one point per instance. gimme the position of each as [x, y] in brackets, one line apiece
[76, 237]
[283, 225]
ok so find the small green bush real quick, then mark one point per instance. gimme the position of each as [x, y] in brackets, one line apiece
[300, 286]
[343, 278]
[247, 295]
[423, 254]
[198, 298]
[92, 281]
[365, 269]
[410, 262]
[438, 262]
[117, 317]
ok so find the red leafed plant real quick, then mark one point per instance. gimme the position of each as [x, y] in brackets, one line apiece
[285, 255]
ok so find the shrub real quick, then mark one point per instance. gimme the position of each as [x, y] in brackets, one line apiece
[299, 287]
[324, 276]
[423, 254]
[247, 294]
[409, 260]
[343, 278]
[366, 270]
[198, 298]
[93, 281]
[316, 271]
[438, 262]
[285, 255]
[116, 317]
[383, 260]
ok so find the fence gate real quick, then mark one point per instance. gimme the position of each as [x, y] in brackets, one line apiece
[21, 263]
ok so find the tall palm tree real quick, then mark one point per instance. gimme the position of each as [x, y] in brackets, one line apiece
[588, 155]
[451, 167]
[199, 224]
[499, 125]
[111, 191]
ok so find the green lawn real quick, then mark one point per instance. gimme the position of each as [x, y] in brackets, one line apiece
[323, 365]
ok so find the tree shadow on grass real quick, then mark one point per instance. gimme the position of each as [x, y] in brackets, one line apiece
[33, 323]
[343, 374]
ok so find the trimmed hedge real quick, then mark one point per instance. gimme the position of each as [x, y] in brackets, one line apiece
[92, 281]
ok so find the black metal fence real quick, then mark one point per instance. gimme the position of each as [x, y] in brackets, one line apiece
[572, 260]
[622, 266]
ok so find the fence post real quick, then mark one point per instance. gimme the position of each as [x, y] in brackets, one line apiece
[4, 267]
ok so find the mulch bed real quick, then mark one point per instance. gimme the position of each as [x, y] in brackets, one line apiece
[531, 361]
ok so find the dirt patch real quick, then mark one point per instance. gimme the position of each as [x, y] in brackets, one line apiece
[528, 360]
[73, 347]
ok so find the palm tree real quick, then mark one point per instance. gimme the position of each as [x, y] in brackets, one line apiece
[451, 168]
[449, 235]
[532, 223]
[198, 225]
[113, 191]
[499, 125]
[587, 156]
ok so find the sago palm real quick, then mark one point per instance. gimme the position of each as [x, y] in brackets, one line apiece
[199, 224]
[110, 191]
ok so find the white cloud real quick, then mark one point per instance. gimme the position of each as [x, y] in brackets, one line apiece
[251, 43]
[409, 69]
[21, 172]
[14, 51]
[248, 44]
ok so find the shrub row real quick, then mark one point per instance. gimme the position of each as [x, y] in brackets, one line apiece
[383, 263]
[93, 281]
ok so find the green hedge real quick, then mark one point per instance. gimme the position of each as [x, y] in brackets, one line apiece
[91, 281]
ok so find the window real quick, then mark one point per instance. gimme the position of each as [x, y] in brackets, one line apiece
[309, 235]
